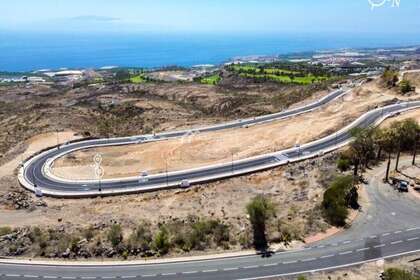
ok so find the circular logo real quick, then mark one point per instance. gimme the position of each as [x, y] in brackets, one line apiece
[379, 3]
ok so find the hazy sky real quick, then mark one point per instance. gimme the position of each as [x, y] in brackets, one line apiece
[208, 16]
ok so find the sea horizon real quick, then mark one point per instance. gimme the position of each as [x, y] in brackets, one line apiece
[31, 51]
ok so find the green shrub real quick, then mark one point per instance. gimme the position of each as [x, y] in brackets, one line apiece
[405, 86]
[141, 237]
[260, 209]
[343, 164]
[199, 234]
[5, 231]
[161, 241]
[337, 198]
[301, 278]
[89, 233]
[115, 235]
[398, 274]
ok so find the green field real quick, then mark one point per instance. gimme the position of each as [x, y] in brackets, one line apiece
[211, 80]
[281, 75]
[139, 79]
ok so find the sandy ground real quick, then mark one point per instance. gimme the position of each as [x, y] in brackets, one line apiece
[224, 200]
[216, 147]
[415, 114]
[34, 145]
[414, 78]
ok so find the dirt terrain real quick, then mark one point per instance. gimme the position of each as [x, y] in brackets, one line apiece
[33, 114]
[295, 189]
[414, 78]
[223, 146]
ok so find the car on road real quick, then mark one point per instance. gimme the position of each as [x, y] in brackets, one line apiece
[402, 186]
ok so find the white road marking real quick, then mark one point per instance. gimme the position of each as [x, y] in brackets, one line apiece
[308, 260]
[271, 264]
[411, 229]
[250, 266]
[327, 256]
[363, 249]
[396, 242]
[398, 231]
[30, 276]
[13, 275]
[412, 239]
[386, 234]
[379, 246]
[345, 253]
[50, 277]
[289, 262]
[190, 272]
[168, 274]
[88, 277]
[330, 267]
[148, 275]
[347, 242]
[108, 277]
[321, 246]
[128, 277]
[230, 268]
[209, 270]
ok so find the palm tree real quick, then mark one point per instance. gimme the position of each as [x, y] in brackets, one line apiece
[406, 135]
[388, 145]
[415, 147]
[379, 137]
[363, 145]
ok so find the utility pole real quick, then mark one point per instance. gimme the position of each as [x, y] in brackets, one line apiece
[232, 162]
[58, 140]
[415, 148]
[167, 178]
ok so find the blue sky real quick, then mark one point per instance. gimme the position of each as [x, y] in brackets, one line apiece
[349, 16]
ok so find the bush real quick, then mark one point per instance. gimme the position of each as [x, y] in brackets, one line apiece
[89, 233]
[390, 77]
[343, 164]
[398, 274]
[141, 237]
[260, 210]
[40, 238]
[5, 231]
[337, 198]
[199, 234]
[161, 241]
[405, 86]
[115, 235]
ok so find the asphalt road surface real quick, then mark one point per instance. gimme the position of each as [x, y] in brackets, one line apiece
[388, 226]
[367, 241]
[34, 175]
[330, 256]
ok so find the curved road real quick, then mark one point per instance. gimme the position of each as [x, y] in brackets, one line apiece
[34, 172]
[388, 227]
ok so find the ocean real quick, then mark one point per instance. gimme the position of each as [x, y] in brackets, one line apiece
[35, 51]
